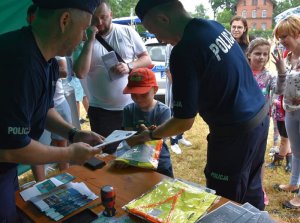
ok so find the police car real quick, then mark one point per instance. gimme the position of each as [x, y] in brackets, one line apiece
[157, 52]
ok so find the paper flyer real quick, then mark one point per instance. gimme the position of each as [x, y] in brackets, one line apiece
[115, 136]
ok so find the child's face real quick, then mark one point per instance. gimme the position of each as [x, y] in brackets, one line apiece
[259, 57]
[144, 101]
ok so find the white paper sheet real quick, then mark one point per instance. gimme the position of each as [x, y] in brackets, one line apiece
[115, 136]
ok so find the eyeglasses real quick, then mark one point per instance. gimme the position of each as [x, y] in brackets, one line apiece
[237, 27]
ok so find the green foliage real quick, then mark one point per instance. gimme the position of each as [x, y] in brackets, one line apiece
[122, 8]
[224, 18]
[200, 12]
[261, 33]
[222, 4]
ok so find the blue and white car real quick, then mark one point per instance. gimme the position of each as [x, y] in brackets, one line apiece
[157, 52]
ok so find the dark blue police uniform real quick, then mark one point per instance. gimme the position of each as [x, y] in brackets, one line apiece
[28, 86]
[211, 77]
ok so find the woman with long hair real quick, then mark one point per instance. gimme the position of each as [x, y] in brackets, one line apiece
[239, 31]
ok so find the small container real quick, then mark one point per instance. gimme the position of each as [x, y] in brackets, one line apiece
[108, 198]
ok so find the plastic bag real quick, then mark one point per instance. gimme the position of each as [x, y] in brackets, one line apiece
[145, 155]
[172, 201]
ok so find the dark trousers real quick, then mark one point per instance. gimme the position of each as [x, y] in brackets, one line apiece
[164, 162]
[8, 187]
[175, 140]
[105, 122]
[234, 164]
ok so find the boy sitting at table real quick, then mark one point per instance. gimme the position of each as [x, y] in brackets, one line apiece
[146, 111]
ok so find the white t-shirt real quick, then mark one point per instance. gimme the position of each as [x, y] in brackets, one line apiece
[59, 96]
[105, 93]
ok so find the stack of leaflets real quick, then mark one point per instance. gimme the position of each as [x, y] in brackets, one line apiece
[171, 201]
[230, 212]
[58, 197]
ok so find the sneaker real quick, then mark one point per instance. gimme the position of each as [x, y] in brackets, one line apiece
[176, 149]
[185, 142]
[273, 150]
[81, 121]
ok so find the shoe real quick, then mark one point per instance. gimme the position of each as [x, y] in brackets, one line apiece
[277, 161]
[273, 150]
[288, 205]
[176, 149]
[278, 188]
[81, 121]
[185, 142]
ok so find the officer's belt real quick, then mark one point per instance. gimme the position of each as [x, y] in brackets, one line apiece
[241, 128]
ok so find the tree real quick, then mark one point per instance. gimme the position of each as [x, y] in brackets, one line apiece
[224, 18]
[122, 8]
[200, 12]
[216, 5]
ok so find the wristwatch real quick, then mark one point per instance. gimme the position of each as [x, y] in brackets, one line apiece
[130, 66]
[151, 135]
[71, 134]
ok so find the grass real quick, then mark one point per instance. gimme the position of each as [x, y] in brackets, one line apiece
[190, 165]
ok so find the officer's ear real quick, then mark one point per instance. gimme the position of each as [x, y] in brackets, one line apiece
[64, 20]
[163, 18]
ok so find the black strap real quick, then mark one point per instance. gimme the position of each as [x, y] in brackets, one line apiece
[108, 47]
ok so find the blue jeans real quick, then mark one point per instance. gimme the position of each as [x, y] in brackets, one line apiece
[234, 164]
[292, 124]
[164, 162]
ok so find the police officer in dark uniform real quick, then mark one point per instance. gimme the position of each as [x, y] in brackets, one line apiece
[212, 78]
[29, 73]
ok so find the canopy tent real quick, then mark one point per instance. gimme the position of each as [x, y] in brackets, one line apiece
[131, 20]
[291, 11]
[13, 14]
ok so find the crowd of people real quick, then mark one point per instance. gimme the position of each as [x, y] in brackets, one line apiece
[222, 76]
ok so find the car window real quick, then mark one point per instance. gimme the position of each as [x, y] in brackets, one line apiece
[157, 52]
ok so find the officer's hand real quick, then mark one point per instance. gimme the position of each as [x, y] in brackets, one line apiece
[81, 152]
[89, 137]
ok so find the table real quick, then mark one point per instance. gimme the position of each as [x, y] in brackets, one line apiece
[129, 184]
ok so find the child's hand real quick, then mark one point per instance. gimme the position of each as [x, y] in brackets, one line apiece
[143, 127]
[152, 127]
[279, 62]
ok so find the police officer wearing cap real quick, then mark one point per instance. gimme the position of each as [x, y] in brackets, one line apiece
[30, 72]
[212, 78]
